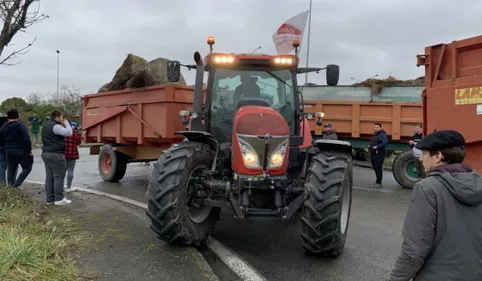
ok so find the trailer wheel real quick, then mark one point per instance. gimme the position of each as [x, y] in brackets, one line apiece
[171, 188]
[404, 170]
[112, 164]
[326, 211]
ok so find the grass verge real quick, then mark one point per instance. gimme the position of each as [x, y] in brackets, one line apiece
[389, 160]
[31, 246]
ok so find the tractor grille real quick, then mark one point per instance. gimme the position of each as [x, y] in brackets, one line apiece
[258, 144]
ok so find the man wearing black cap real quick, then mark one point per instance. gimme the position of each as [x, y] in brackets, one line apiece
[329, 133]
[442, 232]
[15, 140]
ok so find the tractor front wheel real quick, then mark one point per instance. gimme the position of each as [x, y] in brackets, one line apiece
[326, 210]
[173, 186]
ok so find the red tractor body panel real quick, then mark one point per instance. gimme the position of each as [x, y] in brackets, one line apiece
[253, 121]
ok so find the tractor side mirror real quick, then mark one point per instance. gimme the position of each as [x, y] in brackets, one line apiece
[173, 71]
[332, 74]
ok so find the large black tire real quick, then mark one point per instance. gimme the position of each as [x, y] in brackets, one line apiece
[167, 194]
[112, 164]
[326, 211]
[404, 170]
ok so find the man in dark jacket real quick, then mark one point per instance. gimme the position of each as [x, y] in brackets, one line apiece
[442, 232]
[53, 154]
[3, 157]
[377, 151]
[329, 133]
[15, 140]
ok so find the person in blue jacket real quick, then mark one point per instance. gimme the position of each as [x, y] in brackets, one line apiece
[377, 149]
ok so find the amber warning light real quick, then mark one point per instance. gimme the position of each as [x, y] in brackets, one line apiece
[211, 40]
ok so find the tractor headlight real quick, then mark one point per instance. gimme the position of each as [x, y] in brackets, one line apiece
[250, 157]
[277, 157]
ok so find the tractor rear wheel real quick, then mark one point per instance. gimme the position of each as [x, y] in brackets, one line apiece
[174, 177]
[326, 210]
[404, 170]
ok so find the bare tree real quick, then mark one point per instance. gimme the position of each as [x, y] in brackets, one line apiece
[16, 17]
[68, 100]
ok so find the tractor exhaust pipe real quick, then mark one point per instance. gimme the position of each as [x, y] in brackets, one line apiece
[196, 121]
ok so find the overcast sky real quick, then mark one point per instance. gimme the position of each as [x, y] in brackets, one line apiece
[365, 38]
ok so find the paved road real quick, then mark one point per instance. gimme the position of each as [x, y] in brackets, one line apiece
[274, 247]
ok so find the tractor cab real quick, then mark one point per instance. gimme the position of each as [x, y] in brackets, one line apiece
[247, 79]
[241, 80]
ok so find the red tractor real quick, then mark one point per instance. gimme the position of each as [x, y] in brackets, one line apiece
[248, 147]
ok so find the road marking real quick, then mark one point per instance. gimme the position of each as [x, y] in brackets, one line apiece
[242, 268]
[373, 189]
[234, 262]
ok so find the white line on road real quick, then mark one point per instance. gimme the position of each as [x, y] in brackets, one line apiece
[233, 261]
[242, 268]
[373, 189]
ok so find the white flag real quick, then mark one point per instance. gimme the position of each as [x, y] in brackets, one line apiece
[289, 30]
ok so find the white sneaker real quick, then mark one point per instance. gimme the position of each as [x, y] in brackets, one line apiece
[73, 188]
[64, 201]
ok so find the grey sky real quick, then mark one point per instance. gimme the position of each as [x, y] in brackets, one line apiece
[364, 37]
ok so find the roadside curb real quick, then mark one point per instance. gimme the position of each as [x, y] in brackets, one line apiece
[368, 165]
[238, 265]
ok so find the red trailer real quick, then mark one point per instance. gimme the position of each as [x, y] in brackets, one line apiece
[133, 125]
[452, 98]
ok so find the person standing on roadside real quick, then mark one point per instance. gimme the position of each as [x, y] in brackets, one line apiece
[71, 155]
[442, 232]
[3, 157]
[377, 151]
[418, 136]
[15, 140]
[35, 129]
[53, 154]
[329, 133]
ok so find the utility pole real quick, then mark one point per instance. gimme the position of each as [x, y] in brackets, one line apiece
[58, 71]
[308, 43]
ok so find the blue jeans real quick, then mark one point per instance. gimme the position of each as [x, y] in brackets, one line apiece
[3, 168]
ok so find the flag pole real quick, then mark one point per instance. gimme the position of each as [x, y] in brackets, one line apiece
[308, 42]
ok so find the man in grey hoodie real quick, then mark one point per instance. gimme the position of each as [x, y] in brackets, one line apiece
[442, 232]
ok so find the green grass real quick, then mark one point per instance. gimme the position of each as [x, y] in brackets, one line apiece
[30, 247]
[389, 160]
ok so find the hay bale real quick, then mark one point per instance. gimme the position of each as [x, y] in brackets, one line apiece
[155, 73]
[129, 68]
[377, 85]
[105, 88]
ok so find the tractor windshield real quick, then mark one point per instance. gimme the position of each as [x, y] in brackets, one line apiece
[232, 85]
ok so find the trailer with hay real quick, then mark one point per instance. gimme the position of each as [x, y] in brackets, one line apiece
[130, 119]
[352, 110]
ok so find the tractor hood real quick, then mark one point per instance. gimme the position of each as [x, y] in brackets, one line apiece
[260, 141]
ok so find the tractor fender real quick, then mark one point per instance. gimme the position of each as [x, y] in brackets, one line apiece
[336, 145]
[203, 137]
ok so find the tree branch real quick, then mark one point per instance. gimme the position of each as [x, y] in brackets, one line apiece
[16, 17]
[15, 53]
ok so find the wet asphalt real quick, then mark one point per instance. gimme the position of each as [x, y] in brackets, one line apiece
[274, 247]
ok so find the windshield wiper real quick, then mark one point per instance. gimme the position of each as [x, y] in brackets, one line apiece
[277, 77]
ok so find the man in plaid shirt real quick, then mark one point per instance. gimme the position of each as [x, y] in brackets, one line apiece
[71, 155]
